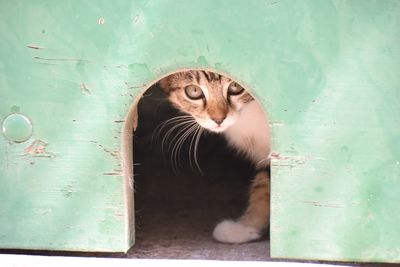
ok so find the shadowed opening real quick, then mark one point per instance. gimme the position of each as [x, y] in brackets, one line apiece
[181, 193]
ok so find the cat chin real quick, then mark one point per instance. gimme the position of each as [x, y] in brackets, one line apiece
[213, 127]
[217, 129]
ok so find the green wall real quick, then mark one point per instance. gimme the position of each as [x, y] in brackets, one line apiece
[326, 72]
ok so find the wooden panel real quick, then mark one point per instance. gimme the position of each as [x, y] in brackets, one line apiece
[336, 172]
[63, 188]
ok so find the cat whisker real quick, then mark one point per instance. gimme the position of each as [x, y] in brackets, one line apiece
[183, 124]
[188, 130]
[198, 134]
[158, 130]
[162, 125]
[191, 146]
[185, 127]
[173, 120]
[264, 160]
[176, 144]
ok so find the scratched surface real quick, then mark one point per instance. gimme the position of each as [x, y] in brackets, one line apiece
[326, 72]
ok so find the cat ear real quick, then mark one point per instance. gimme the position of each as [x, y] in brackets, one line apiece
[165, 84]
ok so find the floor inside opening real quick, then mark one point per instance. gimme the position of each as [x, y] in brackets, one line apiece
[178, 223]
[187, 236]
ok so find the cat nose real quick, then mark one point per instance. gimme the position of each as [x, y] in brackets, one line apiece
[219, 120]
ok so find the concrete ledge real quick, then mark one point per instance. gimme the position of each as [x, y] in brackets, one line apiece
[44, 261]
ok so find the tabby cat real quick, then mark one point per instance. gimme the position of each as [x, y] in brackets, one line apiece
[219, 104]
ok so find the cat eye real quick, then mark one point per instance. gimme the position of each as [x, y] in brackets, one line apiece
[194, 92]
[235, 89]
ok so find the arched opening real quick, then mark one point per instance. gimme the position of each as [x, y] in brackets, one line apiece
[182, 192]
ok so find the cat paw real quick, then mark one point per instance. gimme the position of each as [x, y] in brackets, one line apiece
[234, 232]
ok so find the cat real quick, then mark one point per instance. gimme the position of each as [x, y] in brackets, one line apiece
[221, 105]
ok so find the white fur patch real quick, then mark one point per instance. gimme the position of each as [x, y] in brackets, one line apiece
[251, 134]
[234, 232]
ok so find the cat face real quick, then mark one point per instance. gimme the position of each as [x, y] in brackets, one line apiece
[213, 100]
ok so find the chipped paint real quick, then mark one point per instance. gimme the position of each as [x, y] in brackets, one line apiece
[317, 203]
[114, 154]
[113, 173]
[287, 161]
[38, 148]
[35, 47]
[84, 88]
[62, 59]
[101, 21]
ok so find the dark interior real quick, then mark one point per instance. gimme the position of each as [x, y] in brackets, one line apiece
[178, 207]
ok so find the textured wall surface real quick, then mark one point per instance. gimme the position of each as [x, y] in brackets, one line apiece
[326, 72]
